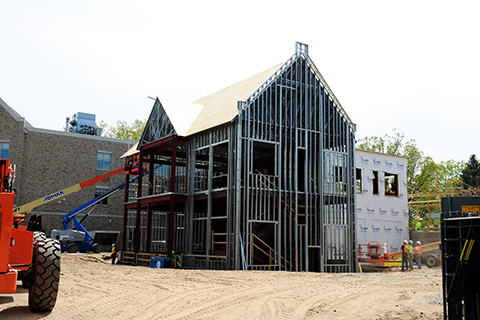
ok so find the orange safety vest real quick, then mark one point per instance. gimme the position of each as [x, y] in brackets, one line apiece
[405, 248]
[418, 249]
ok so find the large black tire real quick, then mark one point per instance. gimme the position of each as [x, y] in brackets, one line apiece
[431, 260]
[72, 248]
[97, 248]
[27, 276]
[46, 275]
[38, 235]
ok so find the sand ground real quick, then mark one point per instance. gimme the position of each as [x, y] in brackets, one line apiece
[93, 288]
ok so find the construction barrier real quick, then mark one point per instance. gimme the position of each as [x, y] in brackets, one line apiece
[144, 259]
[128, 257]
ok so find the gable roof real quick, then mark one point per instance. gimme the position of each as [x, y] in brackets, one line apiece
[15, 115]
[181, 114]
[221, 107]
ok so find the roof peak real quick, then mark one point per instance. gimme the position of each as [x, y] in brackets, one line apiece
[301, 48]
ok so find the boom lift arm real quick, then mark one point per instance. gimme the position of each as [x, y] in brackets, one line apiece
[69, 239]
[71, 216]
[20, 212]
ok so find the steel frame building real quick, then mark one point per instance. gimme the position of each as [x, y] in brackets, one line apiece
[260, 177]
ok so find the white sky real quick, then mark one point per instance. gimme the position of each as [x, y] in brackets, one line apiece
[409, 65]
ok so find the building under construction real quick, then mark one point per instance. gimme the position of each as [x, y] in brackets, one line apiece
[257, 176]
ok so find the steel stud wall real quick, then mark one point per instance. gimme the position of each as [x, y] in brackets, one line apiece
[296, 189]
[275, 188]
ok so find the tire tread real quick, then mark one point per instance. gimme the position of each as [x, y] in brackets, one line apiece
[44, 289]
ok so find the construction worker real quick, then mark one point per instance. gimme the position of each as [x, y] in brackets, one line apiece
[418, 225]
[418, 254]
[410, 254]
[405, 255]
[114, 254]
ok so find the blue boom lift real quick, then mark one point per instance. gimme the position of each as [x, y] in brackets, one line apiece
[80, 239]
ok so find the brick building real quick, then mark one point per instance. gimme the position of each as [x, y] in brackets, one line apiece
[49, 160]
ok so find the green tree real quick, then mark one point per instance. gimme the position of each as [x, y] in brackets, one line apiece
[470, 172]
[415, 160]
[124, 130]
[395, 145]
[428, 173]
[450, 170]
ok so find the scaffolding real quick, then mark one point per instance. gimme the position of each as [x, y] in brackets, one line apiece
[426, 204]
[272, 188]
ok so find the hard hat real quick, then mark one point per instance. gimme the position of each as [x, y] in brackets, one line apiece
[411, 241]
[113, 244]
[419, 243]
[405, 241]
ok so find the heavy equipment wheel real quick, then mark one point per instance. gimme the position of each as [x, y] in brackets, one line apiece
[97, 248]
[46, 275]
[27, 276]
[431, 260]
[72, 248]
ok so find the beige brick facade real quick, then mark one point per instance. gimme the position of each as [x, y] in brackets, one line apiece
[49, 160]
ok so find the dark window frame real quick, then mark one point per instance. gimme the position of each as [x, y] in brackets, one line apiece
[4, 150]
[375, 183]
[358, 180]
[98, 192]
[101, 160]
[391, 184]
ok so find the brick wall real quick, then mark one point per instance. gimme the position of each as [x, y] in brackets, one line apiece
[48, 161]
[12, 131]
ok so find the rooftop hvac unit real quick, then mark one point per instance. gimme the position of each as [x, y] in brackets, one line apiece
[83, 123]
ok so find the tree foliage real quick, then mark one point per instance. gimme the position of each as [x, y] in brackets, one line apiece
[471, 171]
[124, 130]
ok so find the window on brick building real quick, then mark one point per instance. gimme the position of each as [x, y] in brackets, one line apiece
[4, 150]
[103, 160]
[98, 192]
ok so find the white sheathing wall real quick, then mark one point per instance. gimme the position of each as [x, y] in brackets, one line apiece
[381, 217]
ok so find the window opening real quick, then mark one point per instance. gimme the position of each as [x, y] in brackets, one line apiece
[375, 182]
[264, 158]
[301, 170]
[391, 184]
[358, 180]
[220, 166]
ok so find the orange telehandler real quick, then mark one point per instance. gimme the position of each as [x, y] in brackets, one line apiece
[25, 253]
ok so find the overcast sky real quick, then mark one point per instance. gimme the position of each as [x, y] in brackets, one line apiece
[409, 65]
